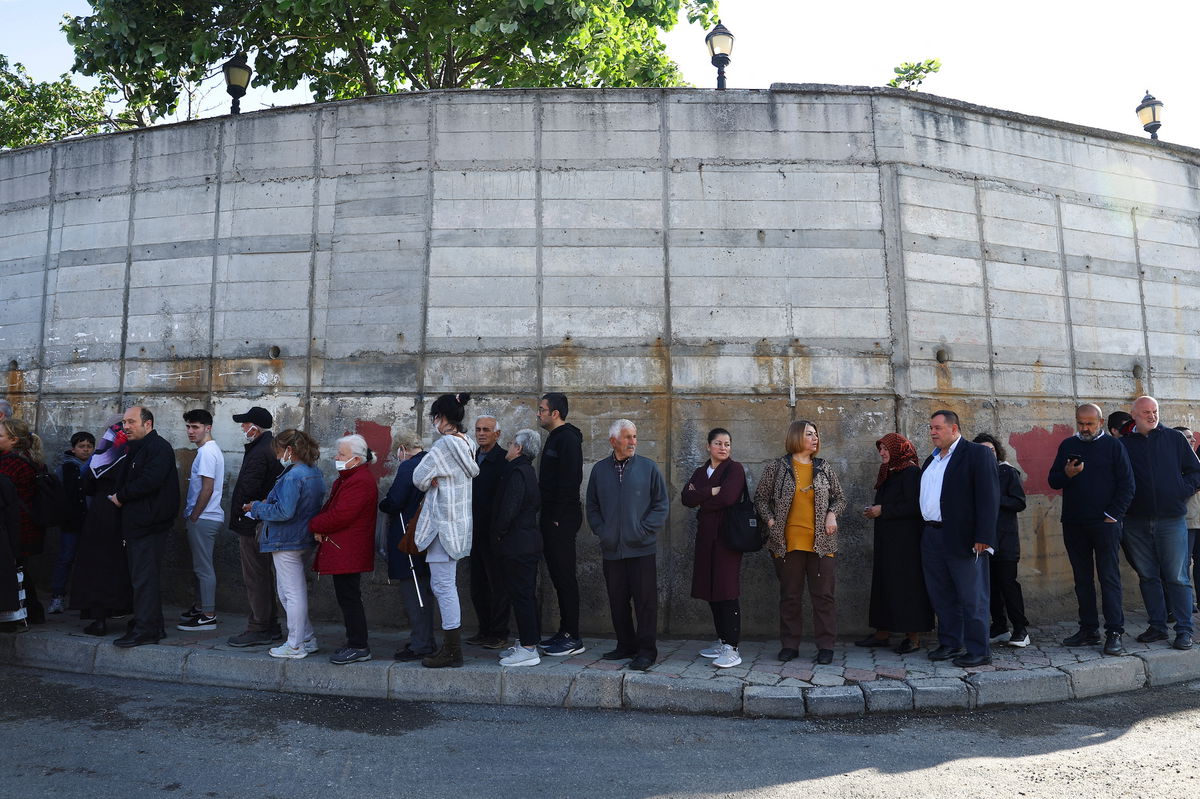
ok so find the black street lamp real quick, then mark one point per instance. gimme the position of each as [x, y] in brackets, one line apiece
[1150, 114]
[237, 78]
[720, 45]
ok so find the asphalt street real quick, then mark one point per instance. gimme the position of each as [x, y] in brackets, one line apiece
[86, 736]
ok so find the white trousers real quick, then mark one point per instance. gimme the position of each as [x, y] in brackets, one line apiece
[293, 594]
[441, 580]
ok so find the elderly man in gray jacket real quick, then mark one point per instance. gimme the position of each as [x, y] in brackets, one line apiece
[626, 508]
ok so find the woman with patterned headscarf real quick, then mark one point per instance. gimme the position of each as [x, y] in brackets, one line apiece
[899, 601]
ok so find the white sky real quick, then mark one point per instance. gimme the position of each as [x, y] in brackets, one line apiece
[1083, 62]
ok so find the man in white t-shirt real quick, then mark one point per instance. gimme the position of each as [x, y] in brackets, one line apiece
[204, 517]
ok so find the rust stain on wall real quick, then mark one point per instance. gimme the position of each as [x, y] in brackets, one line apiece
[379, 439]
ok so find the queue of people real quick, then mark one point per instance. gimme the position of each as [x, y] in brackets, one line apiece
[945, 555]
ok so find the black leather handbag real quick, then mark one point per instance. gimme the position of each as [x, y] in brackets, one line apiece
[741, 529]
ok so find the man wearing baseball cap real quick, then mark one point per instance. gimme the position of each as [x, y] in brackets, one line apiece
[259, 469]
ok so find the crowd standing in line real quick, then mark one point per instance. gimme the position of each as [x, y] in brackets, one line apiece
[946, 537]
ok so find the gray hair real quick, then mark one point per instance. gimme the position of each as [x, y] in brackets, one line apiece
[408, 438]
[358, 446]
[529, 442]
[6, 408]
[487, 416]
[620, 425]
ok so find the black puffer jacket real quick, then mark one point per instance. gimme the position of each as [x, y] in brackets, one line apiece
[514, 526]
[260, 469]
[149, 488]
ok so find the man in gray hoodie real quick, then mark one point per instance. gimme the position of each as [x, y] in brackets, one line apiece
[626, 508]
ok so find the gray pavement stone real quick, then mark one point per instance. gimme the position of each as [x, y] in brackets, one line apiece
[827, 679]
[939, 693]
[474, 683]
[315, 674]
[844, 700]
[68, 653]
[1020, 687]
[1167, 666]
[256, 669]
[592, 688]
[682, 695]
[774, 701]
[887, 696]
[525, 685]
[150, 662]
[1106, 676]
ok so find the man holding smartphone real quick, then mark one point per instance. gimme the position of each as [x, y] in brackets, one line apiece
[1093, 471]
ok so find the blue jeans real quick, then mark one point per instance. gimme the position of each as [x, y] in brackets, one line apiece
[1158, 551]
[1094, 550]
[68, 542]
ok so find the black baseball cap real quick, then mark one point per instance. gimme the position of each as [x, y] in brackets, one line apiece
[256, 416]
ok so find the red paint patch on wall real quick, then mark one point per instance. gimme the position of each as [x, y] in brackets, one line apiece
[1035, 452]
[379, 439]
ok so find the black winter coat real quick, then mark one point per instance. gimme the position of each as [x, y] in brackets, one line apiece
[561, 475]
[149, 488]
[1012, 502]
[514, 524]
[10, 545]
[260, 469]
[483, 496]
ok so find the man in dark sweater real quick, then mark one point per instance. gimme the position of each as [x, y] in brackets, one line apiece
[626, 509]
[1166, 473]
[1093, 472]
[559, 478]
[489, 590]
[148, 496]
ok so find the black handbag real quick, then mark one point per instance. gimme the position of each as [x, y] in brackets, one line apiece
[741, 529]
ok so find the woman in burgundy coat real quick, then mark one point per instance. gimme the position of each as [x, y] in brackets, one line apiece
[345, 535]
[716, 576]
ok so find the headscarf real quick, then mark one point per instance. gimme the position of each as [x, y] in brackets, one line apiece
[901, 455]
[113, 447]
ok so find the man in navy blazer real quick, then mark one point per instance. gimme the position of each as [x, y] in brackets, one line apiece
[960, 501]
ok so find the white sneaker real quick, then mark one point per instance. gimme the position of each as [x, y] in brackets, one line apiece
[310, 645]
[512, 650]
[728, 658]
[289, 652]
[522, 657]
[714, 650]
[57, 605]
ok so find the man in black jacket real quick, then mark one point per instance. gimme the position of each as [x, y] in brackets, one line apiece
[559, 478]
[1092, 470]
[260, 469]
[148, 496]
[1166, 473]
[489, 590]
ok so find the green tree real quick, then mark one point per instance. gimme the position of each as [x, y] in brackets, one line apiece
[910, 76]
[33, 112]
[354, 48]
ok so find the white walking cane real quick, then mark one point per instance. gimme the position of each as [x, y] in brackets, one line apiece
[412, 566]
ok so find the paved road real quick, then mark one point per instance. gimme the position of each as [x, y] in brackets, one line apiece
[84, 736]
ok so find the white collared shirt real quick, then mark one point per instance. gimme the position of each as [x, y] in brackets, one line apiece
[931, 484]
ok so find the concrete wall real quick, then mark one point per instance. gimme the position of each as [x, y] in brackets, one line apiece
[684, 258]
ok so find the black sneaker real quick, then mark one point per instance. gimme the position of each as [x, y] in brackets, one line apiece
[1084, 638]
[349, 655]
[200, 622]
[565, 646]
[1018, 638]
[1151, 635]
[189, 614]
[1113, 645]
[554, 639]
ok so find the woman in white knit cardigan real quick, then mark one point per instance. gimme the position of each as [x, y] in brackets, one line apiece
[444, 527]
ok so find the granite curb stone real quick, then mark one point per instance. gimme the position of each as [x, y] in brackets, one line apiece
[1108, 676]
[526, 685]
[887, 696]
[234, 669]
[774, 701]
[599, 689]
[648, 691]
[1168, 666]
[834, 700]
[147, 662]
[315, 674]
[67, 654]
[940, 693]
[1020, 687]
[415, 683]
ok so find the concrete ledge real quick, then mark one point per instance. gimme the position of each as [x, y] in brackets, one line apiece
[149, 662]
[940, 693]
[525, 685]
[1168, 666]
[256, 670]
[774, 701]
[1108, 676]
[316, 675]
[887, 696]
[681, 695]
[415, 683]
[1020, 687]
[68, 653]
[834, 700]
[596, 689]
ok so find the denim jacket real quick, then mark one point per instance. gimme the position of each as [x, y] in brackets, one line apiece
[295, 498]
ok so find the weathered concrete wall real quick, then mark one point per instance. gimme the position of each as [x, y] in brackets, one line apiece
[684, 258]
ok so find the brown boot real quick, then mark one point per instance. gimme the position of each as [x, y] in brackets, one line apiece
[449, 655]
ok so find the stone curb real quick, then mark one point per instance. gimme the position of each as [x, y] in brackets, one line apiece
[560, 684]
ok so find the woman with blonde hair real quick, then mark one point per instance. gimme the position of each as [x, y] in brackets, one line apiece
[20, 461]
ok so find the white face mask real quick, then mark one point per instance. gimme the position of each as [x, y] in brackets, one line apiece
[251, 435]
[342, 465]
[286, 462]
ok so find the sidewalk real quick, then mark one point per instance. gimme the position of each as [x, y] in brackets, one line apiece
[859, 681]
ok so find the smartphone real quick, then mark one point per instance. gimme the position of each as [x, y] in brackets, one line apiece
[1075, 459]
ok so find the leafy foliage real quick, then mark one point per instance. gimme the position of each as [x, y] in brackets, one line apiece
[354, 48]
[33, 112]
[910, 76]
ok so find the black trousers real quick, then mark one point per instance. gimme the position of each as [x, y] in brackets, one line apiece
[727, 618]
[558, 548]
[347, 589]
[634, 580]
[1006, 595]
[489, 589]
[520, 572]
[145, 556]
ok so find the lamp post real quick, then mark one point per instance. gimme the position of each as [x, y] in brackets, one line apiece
[720, 45]
[1150, 114]
[237, 78]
